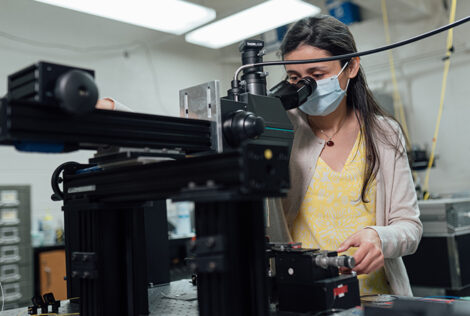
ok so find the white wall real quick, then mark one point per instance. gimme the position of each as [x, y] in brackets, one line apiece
[158, 65]
[419, 69]
[147, 80]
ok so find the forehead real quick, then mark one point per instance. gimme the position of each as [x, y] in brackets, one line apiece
[309, 52]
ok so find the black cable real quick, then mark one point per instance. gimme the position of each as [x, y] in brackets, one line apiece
[351, 55]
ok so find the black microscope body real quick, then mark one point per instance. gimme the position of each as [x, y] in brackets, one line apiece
[107, 201]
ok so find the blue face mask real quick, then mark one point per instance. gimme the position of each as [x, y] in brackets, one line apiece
[326, 98]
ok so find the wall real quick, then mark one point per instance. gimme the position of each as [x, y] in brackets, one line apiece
[419, 69]
[145, 69]
[135, 66]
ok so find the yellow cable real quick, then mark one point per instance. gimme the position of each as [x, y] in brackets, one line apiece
[54, 314]
[73, 298]
[450, 35]
[397, 103]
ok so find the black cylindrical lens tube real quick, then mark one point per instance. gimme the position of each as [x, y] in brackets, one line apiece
[253, 76]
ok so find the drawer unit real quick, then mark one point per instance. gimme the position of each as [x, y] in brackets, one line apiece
[9, 216]
[10, 272]
[16, 292]
[16, 254]
[9, 235]
[12, 291]
[15, 245]
[9, 254]
[14, 272]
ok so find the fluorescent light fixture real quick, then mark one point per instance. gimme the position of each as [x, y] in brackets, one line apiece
[250, 22]
[171, 16]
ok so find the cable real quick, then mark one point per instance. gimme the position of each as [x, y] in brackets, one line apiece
[3, 296]
[397, 102]
[55, 314]
[449, 49]
[351, 55]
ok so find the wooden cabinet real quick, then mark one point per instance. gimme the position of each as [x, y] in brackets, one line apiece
[52, 273]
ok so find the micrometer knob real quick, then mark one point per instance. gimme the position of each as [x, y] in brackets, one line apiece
[346, 261]
[337, 261]
[76, 92]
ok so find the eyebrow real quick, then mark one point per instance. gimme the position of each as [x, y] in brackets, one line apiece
[309, 70]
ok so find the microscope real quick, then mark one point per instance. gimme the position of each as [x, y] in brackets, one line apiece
[227, 154]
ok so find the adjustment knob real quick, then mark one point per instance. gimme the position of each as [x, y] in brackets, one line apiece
[241, 125]
[76, 92]
[253, 126]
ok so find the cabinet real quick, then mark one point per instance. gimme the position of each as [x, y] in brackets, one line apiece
[15, 245]
[52, 273]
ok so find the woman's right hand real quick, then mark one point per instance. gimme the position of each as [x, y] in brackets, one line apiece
[105, 104]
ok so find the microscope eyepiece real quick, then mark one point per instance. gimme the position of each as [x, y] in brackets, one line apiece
[293, 95]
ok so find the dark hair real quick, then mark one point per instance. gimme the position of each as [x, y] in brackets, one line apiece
[329, 34]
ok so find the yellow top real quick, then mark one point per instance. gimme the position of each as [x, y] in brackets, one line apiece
[332, 210]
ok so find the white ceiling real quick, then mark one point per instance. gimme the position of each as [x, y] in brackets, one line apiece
[42, 23]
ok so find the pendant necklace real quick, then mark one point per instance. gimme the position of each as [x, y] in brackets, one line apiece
[330, 142]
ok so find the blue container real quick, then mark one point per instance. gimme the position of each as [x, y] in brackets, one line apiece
[345, 11]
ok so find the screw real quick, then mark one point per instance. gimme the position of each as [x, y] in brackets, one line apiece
[210, 243]
[212, 266]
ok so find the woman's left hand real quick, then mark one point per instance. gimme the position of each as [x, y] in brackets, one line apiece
[368, 256]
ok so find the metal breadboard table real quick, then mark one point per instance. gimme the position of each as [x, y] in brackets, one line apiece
[178, 298]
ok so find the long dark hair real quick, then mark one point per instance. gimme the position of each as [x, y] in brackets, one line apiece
[329, 34]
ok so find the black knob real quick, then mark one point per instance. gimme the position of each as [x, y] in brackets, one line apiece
[76, 92]
[253, 126]
[241, 125]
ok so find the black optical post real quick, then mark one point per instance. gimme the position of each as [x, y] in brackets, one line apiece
[104, 202]
[105, 243]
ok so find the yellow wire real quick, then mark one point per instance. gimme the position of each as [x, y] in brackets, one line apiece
[450, 36]
[73, 298]
[54, 314]
[397, 102]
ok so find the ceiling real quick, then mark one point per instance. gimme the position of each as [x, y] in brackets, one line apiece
[32, 23]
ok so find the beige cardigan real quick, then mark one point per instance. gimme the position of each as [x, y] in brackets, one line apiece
[397, 213]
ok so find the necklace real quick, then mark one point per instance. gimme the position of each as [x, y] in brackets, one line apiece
[330, 142]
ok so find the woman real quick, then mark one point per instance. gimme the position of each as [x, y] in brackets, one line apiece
[351, 185]
[338, 198]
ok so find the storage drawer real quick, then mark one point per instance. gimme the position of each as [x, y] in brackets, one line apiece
[9, 216]
[10, 273]
[9, 254]
[12, 292]
[13, 305]
[9, 235]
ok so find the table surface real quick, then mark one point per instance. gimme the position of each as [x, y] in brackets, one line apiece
[177, 298]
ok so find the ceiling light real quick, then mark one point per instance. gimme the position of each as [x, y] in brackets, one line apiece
[250, 22]
[171, 16]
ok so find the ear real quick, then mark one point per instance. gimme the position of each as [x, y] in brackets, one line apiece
[353, 67]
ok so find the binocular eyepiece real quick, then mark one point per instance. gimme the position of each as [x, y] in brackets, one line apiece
[293, 95]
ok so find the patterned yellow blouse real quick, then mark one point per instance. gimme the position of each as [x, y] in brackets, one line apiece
[332, 210]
